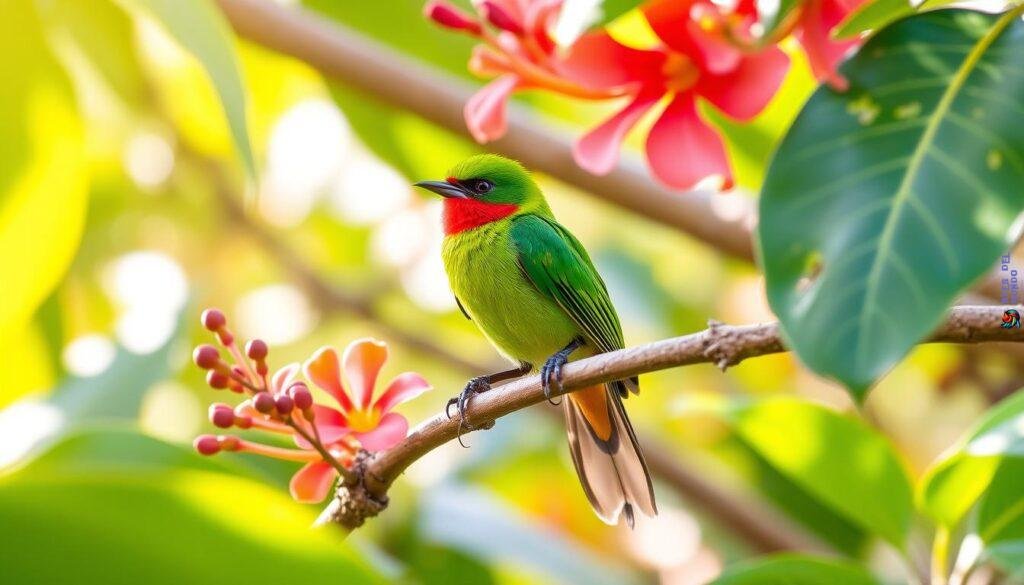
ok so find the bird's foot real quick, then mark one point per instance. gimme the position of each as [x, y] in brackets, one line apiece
[474, 386]
[552, 372]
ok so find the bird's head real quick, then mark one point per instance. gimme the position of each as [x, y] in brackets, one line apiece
[486, 188]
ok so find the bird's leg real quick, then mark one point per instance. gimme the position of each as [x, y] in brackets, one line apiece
[478, 385]
[553, 367]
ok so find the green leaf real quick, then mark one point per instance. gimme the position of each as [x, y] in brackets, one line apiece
[843, 462]
[104, 34]
[468, 519]
[796, 570]
[201, 29]
[795, 501]
[884, 202]
[773, 20]
[43, 178]
[167, 523]
[1000, 517]
[952, 485]
[874, 15]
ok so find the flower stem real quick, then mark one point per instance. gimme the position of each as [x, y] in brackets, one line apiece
[347, 475]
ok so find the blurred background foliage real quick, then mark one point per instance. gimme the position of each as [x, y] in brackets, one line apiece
[126, 164]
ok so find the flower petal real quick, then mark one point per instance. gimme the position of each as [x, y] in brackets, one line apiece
[390, 431]
[598, 150]
[363, 360]
[668, 20]
[330, 424]
[403, 388]
[598, 60]
[682, 149]
[311, 484]
[745, 91]
[718, 54]
[814, 32]
[485, 111]
[324, 370]
[283, 378]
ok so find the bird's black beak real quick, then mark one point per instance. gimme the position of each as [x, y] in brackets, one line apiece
[444, 189]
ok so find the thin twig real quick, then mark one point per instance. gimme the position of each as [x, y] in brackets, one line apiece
[722, 345]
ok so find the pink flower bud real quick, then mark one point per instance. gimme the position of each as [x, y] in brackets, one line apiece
[243, 422]
[264, 402]
[222, 415]
[451, 17]
[213, 319]
[500, 18]
[284, 404]
[217, 380]
[206, 356]
[301, 395]
[206, 444]
[256, 349]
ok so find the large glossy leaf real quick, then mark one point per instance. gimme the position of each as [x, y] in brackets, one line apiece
[844, 463]
[884, 202]
[953, 484]
[796, 570]
[43, 178]
[201, 28]
[166, 522]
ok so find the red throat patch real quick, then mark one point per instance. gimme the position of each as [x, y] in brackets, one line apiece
[465, 214]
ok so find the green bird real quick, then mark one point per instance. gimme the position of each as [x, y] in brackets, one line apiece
[530, 287]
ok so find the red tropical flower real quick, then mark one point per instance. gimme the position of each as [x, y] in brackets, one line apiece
[698, 58]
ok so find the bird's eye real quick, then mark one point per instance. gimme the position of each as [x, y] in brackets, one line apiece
[482, 186]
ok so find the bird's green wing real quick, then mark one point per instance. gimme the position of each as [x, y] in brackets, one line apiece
[556, 263]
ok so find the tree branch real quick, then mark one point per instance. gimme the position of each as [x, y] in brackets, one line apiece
[409, 85]
[722, 345]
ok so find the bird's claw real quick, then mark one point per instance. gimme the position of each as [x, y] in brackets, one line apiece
[474, 386]
[552, 370]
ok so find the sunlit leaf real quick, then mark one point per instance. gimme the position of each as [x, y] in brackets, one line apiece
[952, 485]
[884, 202]
[796, 570]
[103, 33]
[166, 523]
[200, 27]
[468, 519]
[797, 502]
[844, 463]
[43, 178]
[25, 366]
[873, 15]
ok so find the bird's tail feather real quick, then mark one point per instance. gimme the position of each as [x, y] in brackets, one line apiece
[606, 454]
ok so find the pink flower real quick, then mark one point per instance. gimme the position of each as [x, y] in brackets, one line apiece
[517, 51]
[328, 439]
[370, 421]
[697, 59]
[813, 29]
